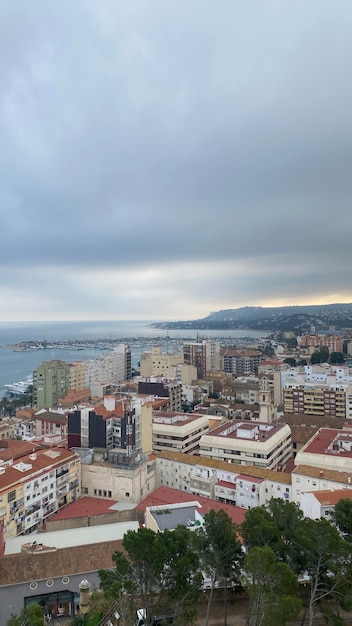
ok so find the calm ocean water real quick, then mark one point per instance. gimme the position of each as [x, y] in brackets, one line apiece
[16, 366]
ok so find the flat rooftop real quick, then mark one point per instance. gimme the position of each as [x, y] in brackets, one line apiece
[245, 429]
[73, 537]
[171, 518]
[330, 441]
[166, 495]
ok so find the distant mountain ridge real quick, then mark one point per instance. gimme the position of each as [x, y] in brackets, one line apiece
[296, 318]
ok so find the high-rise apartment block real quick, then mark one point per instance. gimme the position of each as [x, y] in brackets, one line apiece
[315, 390]
[204, 355]
[112, 368]
[240, 362]
[50, 383]
[109, 426]
[331, 341]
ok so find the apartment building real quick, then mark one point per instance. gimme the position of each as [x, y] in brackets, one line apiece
[178, 431]
[309, 479]
[321, 504]
[112, 368]
[121, 482]
[204, 355]
[227, 483]
[108, 425]
[50, 383]
[328, 449]
[245, 389]
[161, 387]
[331, 341]
[51, 423]
[316, 390]
[247, 443]
[158, 363]
[240, 362]
[185, 374]
[36, 485]
[77, 376]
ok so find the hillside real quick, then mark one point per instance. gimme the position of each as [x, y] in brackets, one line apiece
[296, 318]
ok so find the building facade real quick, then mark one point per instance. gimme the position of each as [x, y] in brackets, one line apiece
[240, 362]
[35, 486]
[247, 443]
[204, 355]
[51, 382]
[178, 431]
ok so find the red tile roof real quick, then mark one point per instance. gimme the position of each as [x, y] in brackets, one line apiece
[322, 442]
[166, 495]
[43, 460]
[226, 484]
[85, 506]
[15, 449]
[249, 479]
[329, 497]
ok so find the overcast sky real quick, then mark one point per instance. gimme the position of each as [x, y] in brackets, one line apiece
[161, 159]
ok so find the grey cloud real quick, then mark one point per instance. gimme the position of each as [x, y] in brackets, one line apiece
[147, 134]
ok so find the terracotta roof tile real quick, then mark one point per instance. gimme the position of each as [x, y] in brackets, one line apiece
[192, 459]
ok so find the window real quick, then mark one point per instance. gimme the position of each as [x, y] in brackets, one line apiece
[11, 496]
[127, 494]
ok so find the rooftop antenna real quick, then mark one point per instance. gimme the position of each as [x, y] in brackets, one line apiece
[167, 342]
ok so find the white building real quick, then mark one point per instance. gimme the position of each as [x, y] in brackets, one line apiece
[228, 483]
[178, 431]
[318, 389]
[247, 443]
[112, 368]
[319, 504]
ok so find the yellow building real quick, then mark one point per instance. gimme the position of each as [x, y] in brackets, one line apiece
[157, 363]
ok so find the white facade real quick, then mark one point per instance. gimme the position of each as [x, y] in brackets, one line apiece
[178, 431]
[317, 377]
[112, 368]
[247, 443]
[311, 479]
[221, 481]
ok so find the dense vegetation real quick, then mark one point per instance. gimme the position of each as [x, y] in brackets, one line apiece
[285, 563]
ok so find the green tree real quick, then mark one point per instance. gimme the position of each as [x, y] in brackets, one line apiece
[220, 553]
[327, 562]
[160, 569]
[290, 361]
[272, 588]
[260, 529]
[288, 517]
[182, 579]
[342, 516]
[337, 358]
[29, 616]
[320, 356]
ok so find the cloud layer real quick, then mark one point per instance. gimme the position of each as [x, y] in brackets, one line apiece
[164, 159]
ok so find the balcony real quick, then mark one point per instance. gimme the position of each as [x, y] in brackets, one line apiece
[61, 472]
[32, 509]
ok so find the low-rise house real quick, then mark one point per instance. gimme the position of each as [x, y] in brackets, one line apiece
[319, 504]
[308, 478]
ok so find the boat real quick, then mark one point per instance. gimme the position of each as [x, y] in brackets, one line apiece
[20, 387]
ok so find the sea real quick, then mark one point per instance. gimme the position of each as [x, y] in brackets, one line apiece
[94, 338]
